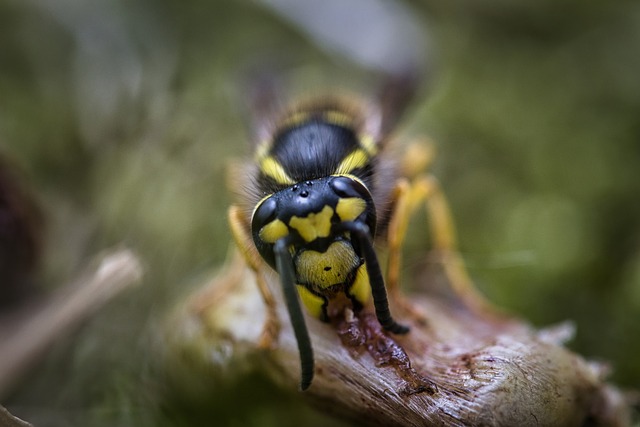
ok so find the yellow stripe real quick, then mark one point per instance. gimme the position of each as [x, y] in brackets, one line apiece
[356, 159]
[368, 143]
[338, 118]
[295, 119]
[270, 167]
[361, 289]
[262, 150]
[312, 302]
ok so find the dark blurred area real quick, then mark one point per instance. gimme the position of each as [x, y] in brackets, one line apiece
[122, 116]
[20, 237]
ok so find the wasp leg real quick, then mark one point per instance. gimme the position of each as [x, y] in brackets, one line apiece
[444, 237]
[396, 234]
[404, 207]
[426, 188]
[240, 231]
[408, 197]
[284, 265]
[417, 159]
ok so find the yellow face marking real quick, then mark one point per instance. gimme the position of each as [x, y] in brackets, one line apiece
[312, 302]
[313, 225]
[349, 208]
[367, 142]
[354, 160]
[325, 269]
[361, 289]
[270, 167]
[273, 231]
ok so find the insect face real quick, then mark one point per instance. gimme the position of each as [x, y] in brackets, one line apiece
[313, 216]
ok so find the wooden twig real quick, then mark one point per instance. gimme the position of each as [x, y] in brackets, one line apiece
[8, 420]
[25, 342]
[463, 368]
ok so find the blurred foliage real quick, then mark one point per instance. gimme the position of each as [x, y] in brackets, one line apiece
[122, 117]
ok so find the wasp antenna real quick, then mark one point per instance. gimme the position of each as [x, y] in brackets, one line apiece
[378, 290]
[285, 268]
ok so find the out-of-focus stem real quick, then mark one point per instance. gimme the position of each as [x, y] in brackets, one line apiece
[24, 342]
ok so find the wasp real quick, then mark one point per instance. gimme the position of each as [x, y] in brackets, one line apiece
[323, 190]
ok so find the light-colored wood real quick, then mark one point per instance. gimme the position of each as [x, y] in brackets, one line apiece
[466, 369]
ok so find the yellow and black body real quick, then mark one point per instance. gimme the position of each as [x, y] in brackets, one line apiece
[316, 218]
[322, 188]
[325, 216]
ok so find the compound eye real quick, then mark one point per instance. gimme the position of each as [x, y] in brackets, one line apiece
[266, 229]
[264, 213]
[265, 226]
[347, 187]
[355, 199]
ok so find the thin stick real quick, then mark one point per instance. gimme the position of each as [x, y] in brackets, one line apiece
[27, 342]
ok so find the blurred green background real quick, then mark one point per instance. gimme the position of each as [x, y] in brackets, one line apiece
[122, 117]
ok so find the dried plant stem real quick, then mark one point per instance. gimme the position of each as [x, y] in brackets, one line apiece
[23, 343]
[455, 368]
[8, 420]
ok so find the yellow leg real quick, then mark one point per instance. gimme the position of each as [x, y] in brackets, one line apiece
[444, 242]
[404, 206]
[408, 197]
[417, 159]
[396, 233]
[240, 231]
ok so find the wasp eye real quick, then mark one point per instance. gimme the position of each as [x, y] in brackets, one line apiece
[342, 186]
[265, 212]
[347, 187]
